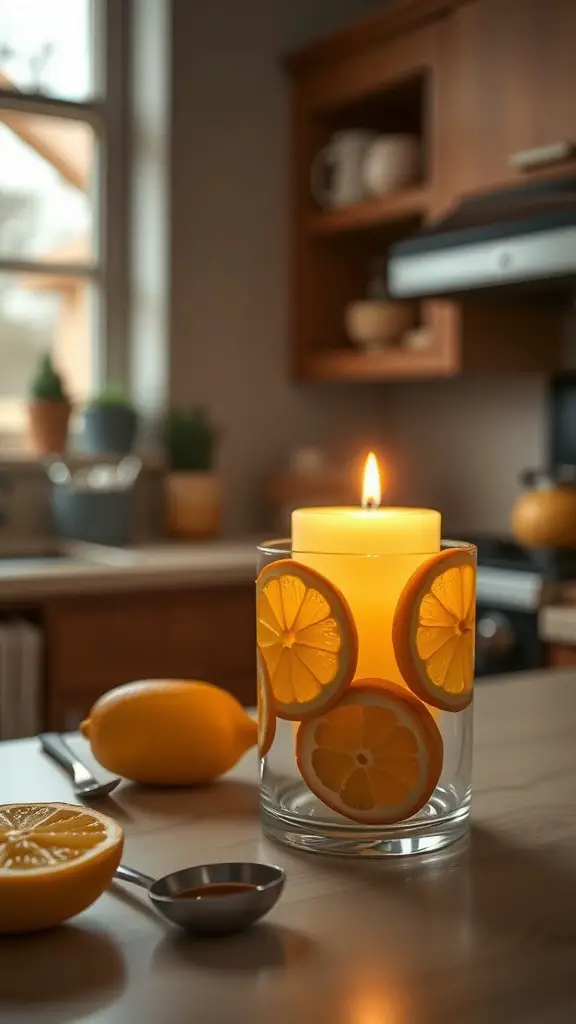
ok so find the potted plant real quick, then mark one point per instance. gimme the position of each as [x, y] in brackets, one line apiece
[193, 490]
[49, 409]
[110, 423]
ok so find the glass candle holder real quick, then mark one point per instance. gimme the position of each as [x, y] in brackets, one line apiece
[365, 674]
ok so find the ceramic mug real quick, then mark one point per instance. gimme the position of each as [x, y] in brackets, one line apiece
[390, 161]
[337, 171]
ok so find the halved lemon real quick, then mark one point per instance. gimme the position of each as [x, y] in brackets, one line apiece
[376, 758]
[307, 637]
[434, 628]
[55, 860]
[266, 712]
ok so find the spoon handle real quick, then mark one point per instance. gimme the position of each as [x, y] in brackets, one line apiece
[55, 746]
[126, 874]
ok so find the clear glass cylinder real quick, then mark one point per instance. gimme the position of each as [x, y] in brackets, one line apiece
[365, 669]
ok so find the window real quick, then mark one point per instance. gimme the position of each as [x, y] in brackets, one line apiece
[62, 230]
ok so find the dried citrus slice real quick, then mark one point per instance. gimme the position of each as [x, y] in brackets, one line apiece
[434, 628]
[376, 758]
[55, 860]
[266, 713]
[307, 637]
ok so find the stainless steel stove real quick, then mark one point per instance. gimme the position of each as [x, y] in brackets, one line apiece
[513, 582]
[512, 585]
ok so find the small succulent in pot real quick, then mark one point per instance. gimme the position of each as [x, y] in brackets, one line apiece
[193, 490]
[49, 408]
[110, 422]
[190, 439]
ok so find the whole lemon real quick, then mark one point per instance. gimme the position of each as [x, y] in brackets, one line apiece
[169, 732]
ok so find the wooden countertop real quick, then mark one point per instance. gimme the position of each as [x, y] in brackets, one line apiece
[480, 934]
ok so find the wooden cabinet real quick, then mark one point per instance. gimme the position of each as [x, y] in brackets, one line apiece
[385, 85]
[95, 643]
[561, 656]
[472, 81]
[509, 112]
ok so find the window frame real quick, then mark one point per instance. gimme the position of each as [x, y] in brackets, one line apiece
[107, 114]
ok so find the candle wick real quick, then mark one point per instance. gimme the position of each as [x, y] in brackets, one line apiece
[370, 503]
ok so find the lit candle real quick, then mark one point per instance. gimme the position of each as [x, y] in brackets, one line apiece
[337, 541]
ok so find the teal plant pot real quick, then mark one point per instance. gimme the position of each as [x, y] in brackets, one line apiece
[96, 517]
[110, 429]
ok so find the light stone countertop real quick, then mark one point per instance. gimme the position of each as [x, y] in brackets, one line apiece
[94, 568]
[482, 933]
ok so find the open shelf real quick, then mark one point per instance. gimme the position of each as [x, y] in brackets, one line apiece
[343, 267]
[392, 76]
[339, 255]
[409, 204]
[393, 106]
[392, 363]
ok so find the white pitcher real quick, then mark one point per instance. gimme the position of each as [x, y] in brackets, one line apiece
[344, 158]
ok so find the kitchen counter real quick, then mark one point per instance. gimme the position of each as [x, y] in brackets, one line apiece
[92, 568]
[483, 932]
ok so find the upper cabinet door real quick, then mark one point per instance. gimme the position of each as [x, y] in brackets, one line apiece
[553, 61]
[508, 84]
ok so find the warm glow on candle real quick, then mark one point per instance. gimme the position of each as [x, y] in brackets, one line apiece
[371, 489]
[336, 541]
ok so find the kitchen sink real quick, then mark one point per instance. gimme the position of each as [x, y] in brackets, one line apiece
[36, 554]
[33, 559]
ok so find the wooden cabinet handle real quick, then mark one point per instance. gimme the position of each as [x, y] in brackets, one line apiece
[542, 156]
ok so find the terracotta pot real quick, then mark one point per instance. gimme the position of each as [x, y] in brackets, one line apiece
[193, 505]
[48, 426]
[546, 518]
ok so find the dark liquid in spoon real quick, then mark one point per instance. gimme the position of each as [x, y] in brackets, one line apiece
[212, 889]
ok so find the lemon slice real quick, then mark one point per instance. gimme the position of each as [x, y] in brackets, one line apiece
[55, 860]
[266, 713]
[307, 637]
[434, 630]
[376, 758]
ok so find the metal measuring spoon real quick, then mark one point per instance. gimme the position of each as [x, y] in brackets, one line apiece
[85, 785]
[212, 915]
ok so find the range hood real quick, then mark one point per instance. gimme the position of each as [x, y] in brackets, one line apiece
[504, 242]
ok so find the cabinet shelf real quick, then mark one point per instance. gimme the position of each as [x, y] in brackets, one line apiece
[410, 204]
[392, 363]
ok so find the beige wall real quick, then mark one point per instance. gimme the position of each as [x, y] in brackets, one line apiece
[457, 444]
[464, 442]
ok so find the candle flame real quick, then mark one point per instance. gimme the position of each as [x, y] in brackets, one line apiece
[371, 489]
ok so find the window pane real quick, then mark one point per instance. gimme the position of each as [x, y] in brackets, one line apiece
[40, 312]
[46, 169]
[46, 47]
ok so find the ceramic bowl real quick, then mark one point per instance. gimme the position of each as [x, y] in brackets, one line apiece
[375, 323]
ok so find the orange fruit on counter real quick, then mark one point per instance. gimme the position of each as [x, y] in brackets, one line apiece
[307, 637]
[169, 732]
[376, 758]
[266, 712]
[434, 630]
[55, 860]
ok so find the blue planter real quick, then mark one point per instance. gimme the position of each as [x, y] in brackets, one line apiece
[99, 517]
[110, 429]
